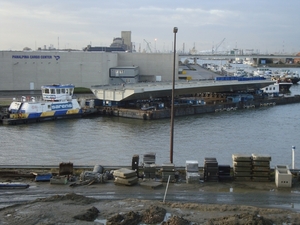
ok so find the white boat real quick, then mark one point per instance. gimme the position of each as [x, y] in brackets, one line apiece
[57, 102]
[277, 87]
[240, 73]
[263, 71]
[288, 75]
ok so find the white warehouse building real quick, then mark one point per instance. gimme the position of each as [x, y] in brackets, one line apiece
[29, 70]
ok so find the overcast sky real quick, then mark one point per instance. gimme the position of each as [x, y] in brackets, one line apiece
[266, 26]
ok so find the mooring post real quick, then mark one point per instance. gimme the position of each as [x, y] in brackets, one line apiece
[293, 157]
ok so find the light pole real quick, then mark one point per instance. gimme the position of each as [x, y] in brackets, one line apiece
[175, 29]
[235, 60]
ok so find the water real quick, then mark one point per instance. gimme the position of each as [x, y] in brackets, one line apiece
[113, 141]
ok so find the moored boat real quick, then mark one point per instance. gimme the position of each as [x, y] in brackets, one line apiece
[279, 86]
[57, 102]
[262, 72]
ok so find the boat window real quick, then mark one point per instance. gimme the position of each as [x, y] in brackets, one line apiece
[46, 91]
[71, 91]
[63, 91]
[67, 90]
[57, 91]
[52, 91]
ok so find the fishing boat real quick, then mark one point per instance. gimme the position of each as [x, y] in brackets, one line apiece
[57, 102]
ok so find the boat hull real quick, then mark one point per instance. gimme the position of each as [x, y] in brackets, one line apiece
[25, 120]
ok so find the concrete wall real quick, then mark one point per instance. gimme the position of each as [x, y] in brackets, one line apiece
[21, 70]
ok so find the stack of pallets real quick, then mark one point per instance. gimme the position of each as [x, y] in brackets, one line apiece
[192, 171]
[224, 173]
[242, 167]
[149, 158]
[125, 176]
[211, 169]
[168, 169]
[261, 168]
[149, 165]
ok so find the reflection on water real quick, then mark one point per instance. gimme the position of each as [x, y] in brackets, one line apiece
[113, 141]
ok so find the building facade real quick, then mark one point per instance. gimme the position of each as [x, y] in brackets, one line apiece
[29, 70]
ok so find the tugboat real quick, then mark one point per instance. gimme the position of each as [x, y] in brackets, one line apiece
[57, 102]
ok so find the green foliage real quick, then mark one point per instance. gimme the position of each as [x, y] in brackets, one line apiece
[82, 90]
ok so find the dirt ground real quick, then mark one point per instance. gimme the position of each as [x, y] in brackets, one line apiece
[77, 209]
[74, 208]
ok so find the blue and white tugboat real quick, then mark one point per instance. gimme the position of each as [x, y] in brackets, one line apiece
[57, 102]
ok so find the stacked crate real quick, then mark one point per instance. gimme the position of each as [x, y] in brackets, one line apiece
[150, 170]
[242, 167]
[149, 158]
[192, 171]
[224, 173]
[261, 167]
[125, 176]
[211, 169]
[149, 165]
[168, 169]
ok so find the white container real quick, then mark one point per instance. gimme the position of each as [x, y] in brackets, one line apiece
[283, 176]
[192, 166]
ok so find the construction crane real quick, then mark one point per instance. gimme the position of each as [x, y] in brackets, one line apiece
[148, 45]
[217, 46]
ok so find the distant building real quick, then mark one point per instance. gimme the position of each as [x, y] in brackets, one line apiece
[126, 36]
[120, 44]
[297, 60]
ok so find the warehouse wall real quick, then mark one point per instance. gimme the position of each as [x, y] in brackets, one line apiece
[21, 70]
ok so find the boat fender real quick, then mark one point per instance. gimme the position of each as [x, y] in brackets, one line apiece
[145, 116]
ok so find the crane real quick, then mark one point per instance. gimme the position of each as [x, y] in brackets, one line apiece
[218, 45]
[148, 45]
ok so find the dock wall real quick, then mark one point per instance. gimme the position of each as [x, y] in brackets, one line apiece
[187, 110]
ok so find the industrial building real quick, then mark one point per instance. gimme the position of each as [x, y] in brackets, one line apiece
[29, 70]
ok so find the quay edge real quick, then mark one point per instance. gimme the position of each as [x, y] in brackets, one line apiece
[187, 110]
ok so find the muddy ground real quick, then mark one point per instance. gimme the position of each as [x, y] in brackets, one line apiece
[72, 206]
[77, 209]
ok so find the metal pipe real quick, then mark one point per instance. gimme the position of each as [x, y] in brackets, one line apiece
[175, 29]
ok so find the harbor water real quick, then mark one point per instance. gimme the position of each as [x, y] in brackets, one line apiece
[271, 130]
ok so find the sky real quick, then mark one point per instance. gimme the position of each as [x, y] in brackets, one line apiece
[259, 26]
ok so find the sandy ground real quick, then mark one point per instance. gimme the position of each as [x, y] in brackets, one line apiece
[62, 204]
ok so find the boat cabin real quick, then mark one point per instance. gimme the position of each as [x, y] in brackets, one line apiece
[57, 92]
[272, 90]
